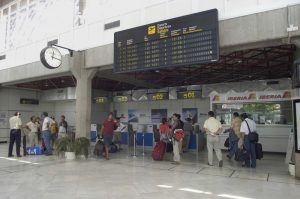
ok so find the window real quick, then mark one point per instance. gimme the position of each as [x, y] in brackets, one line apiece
[262, 113]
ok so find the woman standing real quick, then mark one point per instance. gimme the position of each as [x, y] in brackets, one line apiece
[177, 128]
[107, 130]
[164, 130]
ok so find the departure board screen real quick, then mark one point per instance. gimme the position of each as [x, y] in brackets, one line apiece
[191, 39]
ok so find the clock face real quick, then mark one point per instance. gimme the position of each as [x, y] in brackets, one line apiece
[51, 57]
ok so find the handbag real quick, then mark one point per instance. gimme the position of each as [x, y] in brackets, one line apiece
[242, 155]
[178, 134]
[253, 136]
[226, 143]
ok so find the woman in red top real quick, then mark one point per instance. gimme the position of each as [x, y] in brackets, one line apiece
[107, 131]
[164, 130]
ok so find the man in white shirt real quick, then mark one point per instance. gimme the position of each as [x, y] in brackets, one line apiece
[46, 133]
[15, 134]
[213, 129]
[32, 126]
[249, 146]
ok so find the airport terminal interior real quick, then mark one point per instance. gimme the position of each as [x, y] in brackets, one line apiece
[149, 99]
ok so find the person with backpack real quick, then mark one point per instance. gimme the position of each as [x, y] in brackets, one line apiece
[248, 126]
[213, 129]
[107, 131]
[177, 130]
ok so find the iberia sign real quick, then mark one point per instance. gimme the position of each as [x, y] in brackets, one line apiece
[250, 96]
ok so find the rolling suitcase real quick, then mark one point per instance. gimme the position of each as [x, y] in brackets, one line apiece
[159, 151]
[258, 151]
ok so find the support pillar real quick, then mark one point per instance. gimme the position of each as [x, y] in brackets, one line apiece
[83, 94]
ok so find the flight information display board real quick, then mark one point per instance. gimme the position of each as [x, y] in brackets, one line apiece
[191, 39]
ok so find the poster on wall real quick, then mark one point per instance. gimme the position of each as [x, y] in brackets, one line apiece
[297, 124]
[158, 114]
[190, 113]
[133, 116]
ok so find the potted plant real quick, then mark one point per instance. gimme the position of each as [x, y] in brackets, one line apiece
[82, 146]
[67, 146]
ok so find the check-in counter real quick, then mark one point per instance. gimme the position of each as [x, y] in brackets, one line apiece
[274, 138]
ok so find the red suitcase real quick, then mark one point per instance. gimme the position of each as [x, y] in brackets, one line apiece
[159, 151]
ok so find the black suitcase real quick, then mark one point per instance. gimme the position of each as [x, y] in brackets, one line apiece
[258, 151]
[169, 147]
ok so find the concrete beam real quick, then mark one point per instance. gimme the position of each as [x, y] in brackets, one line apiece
[32, 71]
[108, 74]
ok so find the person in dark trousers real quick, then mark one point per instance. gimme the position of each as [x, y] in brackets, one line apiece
[247, 126]
[107, 131]
[234, 135]
[188, 131]
[15, 134]
[46, 134]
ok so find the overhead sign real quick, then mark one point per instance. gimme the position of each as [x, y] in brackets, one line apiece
[123, 98]
[188, 94]
[250, 96]
[158, 96]
[191, 39]
[100, 100]
[29, 101]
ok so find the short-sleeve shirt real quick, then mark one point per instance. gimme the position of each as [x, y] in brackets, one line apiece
[15, 122]
[47, 123]
[244, 127]
[213, 125]
[108, 126]
[33, 127]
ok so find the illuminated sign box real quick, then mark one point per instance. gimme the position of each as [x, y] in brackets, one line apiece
[100, 100]
[158, 96]
[188, 94]
[186, 40]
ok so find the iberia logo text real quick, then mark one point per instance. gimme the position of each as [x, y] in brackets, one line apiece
[251, 96]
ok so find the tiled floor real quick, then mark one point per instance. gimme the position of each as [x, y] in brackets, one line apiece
[124, 177]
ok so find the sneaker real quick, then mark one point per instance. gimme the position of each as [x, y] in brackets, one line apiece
[221, 163]
[11, 156]
[176, 163]
[19, 156]
[210, 164]
[228, 156]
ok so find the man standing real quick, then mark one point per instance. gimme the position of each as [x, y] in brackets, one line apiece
[32, 126]
[107, 130]
[15, 134]
[248, 126]
[46, 133]
[188, 131]
[213, 129]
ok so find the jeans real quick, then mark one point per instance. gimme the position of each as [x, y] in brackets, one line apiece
[15, 135]
[47, 140]
[213, 143]
[233, 147]
[250, 148]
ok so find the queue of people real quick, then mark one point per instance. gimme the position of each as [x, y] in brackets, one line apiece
[38, 132]
[175, 131]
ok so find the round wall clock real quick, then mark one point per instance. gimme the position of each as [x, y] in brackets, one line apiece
[51, 57]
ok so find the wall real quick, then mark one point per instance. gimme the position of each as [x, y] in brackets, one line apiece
[10, 103]
[29, 31]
